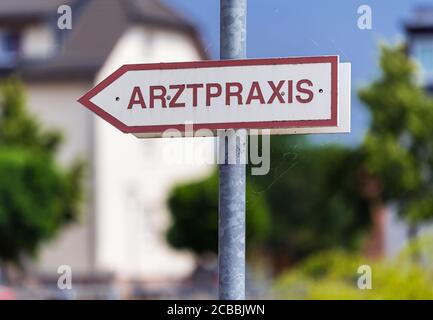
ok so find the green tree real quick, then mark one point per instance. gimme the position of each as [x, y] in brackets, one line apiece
[37, 196]
[313, 200]
[194, 210]
[307, 202]
[398, 147]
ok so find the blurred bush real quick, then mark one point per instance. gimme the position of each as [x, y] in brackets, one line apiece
[194, 209]
[334, 275]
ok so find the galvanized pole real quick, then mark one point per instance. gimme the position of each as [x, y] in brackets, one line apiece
[231, 235]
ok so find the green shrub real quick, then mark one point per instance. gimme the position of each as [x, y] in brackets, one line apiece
[334, 275]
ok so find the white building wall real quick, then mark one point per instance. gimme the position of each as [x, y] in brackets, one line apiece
[55, 105]
[132, 178]
[123, 226]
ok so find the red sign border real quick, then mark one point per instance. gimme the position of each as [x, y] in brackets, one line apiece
[333, 121]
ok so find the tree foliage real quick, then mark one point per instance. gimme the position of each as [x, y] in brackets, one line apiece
[307, 195]
[398, 147]
[312, 197]
[194, 208]
[37, 196]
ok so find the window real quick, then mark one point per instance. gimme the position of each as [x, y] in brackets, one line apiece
[9, 47]
[423, 51]
[37, 42]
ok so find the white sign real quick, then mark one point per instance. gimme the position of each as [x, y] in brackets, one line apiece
[286, 95]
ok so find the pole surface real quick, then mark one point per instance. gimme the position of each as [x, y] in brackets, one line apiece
[231, 225]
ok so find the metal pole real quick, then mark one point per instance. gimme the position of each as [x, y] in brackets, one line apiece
[231, 234]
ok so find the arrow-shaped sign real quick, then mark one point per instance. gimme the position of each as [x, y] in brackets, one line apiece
[287, 95]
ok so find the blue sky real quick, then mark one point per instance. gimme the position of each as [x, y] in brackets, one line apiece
[280, 28]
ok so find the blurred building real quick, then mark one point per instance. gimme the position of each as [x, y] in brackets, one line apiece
[122, 229]
[419, 32]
